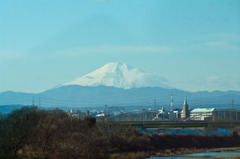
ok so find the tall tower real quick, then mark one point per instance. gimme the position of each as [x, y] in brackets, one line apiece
[155, 104]
[171, 104]
[185, 109]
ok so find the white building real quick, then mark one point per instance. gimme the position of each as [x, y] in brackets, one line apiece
[201, 113]
[177, 113]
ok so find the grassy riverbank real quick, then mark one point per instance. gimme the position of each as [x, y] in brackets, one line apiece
[172, 152]
[228, 156]
[233, 156]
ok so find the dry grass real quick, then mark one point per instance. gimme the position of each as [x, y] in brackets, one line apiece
[233, 156]
[174, 152]
[130, 155]
[194, 158]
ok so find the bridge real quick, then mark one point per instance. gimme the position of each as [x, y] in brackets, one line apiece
[178, 124]
[144, 119]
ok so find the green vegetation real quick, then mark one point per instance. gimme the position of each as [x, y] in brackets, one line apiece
[222, 124]
[29, 133]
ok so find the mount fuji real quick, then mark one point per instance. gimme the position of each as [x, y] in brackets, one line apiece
[119, 75]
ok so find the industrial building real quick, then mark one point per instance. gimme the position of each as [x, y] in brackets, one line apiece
[226, 115]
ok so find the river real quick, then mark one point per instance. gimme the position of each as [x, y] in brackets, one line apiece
[209, 155]
[188, 131]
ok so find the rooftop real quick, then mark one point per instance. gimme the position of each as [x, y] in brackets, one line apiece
[203, 110]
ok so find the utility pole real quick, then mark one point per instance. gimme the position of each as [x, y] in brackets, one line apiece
[39, 101]
[159, 103]
[155, 104]
[142, 118]
[230, 114]
[231, 110]
[33, 101]
[236, 115]
[224, 114]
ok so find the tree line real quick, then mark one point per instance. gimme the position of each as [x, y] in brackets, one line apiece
[32, 133]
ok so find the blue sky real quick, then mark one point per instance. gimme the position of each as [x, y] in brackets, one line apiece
[195, 45]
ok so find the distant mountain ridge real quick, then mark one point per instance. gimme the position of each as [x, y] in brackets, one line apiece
[86, 96]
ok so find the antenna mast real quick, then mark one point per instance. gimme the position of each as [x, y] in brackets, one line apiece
[171, 105]
[155, 104]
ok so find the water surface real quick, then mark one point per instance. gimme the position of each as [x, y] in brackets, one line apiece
[188, 131]
[209, 155]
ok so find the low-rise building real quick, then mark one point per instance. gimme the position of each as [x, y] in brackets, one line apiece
[177, 113]
[201, 113]
[226, 114]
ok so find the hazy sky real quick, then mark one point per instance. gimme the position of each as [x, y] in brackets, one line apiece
[195, 45]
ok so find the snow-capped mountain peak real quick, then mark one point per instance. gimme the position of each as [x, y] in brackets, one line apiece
[118, 75]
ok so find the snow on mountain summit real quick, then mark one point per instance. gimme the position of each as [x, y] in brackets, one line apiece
[118, 75]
